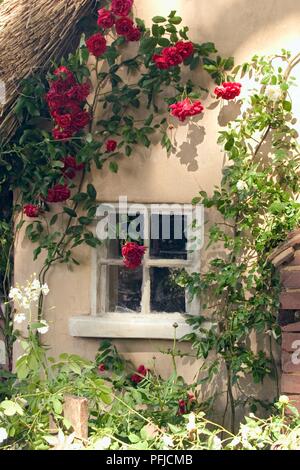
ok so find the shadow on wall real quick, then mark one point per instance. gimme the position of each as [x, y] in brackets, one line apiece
[234, 21]
[237, 20]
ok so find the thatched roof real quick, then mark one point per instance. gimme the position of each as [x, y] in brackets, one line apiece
[32, 34]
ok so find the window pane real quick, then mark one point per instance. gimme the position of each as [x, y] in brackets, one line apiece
[125, 289]
[168, 240]
[166, 295]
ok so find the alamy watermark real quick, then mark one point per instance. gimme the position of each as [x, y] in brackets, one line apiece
[139, 222]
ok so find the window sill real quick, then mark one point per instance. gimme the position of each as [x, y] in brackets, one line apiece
[114, 325]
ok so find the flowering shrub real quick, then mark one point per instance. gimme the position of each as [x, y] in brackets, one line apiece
[257, 203]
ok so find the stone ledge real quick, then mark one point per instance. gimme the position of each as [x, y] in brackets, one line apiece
[116, 325]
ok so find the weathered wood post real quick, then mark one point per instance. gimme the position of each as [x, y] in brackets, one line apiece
[77, 413]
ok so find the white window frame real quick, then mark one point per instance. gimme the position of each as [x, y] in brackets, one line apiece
[158, 325]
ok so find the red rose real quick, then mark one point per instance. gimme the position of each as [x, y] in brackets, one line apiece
[71, 167]
[133, 254]
[31, 210]
[105, 19]
[65, 75]
[63, 120]
[141, 372]
[59, 193]
[101, 368]
[96, 44]
[134, 35]
[79, 92]
[160, 62]
[55, 100]
[62, 135]
[111, 145]
[172, 56]
[121, 7]
[124, 26]
[181, 407]
[228, 90]
[185, 49]
[186, 108]
[80, 120]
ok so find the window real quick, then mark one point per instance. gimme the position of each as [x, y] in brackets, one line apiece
[147, 301]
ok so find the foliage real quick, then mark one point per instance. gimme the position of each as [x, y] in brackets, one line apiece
[256, 208]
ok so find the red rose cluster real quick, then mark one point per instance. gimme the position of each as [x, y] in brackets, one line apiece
[65, 100]
[133, 254]
[31, 210]
[174, 55]
[58, 193]
[71, 167]
[228, 90]
[141, 372]
[186, 108]
[124, 25]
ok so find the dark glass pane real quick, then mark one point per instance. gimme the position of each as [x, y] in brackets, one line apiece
[166, 295]
[168, 240]
[125, 289]
[127, 226]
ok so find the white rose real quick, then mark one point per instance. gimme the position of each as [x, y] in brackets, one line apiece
[191, 425]
[103, 443]
[217, 443]
[284, 400]
[3, 435]
[273, 92]
[168, 441]
[19, 318]
[45, 289]
[241, 185]
[35, 284]
[43, 329]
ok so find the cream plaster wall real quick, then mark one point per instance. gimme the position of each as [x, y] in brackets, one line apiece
[240, 28]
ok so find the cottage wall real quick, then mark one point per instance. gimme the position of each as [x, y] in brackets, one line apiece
[237, 27]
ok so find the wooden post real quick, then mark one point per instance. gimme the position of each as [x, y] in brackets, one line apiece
[76, 412]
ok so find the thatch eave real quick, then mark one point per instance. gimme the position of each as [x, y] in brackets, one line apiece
[32, 34]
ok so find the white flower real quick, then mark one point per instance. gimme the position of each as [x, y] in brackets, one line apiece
[3, 435]
[217, 443]
[15, 294]
[284, 400]
[20, 317]
[235, 442]
[168, 441]
[273, 92]
[35, 284]
[43, 329]
[62, 442]
[103, 444]
[191, 425]
[45, 289]
[241, 185]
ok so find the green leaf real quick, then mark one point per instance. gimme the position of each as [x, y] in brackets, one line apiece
[70, 212]
[91, 192]
[148, 45]
[113, 166]
[287, 106]
[53, 219]
[175, 20]
[159, 19]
